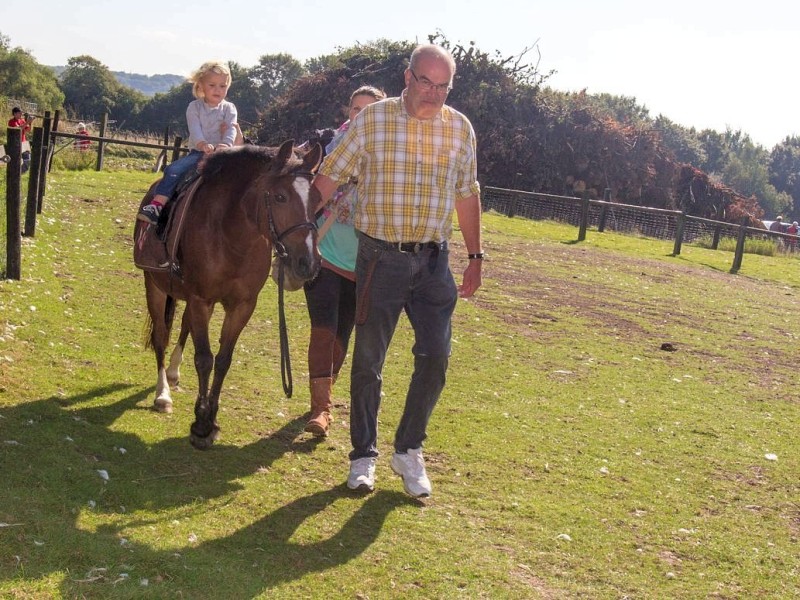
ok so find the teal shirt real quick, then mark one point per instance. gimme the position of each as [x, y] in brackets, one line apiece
[339, 247]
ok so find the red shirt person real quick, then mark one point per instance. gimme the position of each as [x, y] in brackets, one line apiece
[23, 122]
[82, 144]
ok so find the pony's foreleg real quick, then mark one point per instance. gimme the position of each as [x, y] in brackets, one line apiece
[232, 326]
[204, 431]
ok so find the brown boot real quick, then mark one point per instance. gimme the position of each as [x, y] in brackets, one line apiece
[320, 420]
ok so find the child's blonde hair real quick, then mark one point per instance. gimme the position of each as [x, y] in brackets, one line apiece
[212, 66]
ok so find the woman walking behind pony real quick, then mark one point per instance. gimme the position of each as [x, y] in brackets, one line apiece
[212, 125]
[331, 296]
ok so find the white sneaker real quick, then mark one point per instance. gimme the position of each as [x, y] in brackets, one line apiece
[362, 474]
[411, 467]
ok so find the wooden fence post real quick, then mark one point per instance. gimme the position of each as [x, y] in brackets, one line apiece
[161, 160]
[680, 225]
[737, 257]
[31, 206]
[176, 148]
[584, 218]
[51, 147]
[13, 176]
[512, 207]
[601, 226]
[101, 145]
[47, 141]
[718, 228]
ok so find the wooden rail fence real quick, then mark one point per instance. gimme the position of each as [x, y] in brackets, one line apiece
[626, 218]
[43, 144]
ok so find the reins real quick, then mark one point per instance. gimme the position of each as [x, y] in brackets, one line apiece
[280, 250]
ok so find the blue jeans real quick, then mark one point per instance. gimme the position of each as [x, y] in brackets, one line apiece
[389, 282]
[174, 172]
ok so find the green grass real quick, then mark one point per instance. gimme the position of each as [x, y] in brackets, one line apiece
[570, 455]
[752, 246]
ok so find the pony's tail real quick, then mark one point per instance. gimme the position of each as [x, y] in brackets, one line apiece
[169, 317]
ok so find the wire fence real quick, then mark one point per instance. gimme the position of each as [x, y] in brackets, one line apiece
[621, 218]
[630, 219]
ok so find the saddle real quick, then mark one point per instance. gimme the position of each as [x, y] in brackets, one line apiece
[155, 247]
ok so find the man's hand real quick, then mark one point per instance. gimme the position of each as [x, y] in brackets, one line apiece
[472, 279]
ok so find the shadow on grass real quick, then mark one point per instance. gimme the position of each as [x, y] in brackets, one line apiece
[53, 451]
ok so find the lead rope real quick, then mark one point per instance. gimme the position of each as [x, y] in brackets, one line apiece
[286, 361]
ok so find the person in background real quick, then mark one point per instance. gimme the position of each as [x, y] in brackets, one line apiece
[211, 120]
[23, 121]
[331, 296]
[777, 224]
[415, 161]
[79, 143]
[792, 230]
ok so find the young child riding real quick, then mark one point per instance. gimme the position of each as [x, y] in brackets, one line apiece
[212, 125]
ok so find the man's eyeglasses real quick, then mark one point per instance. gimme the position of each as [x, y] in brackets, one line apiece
[428, 86]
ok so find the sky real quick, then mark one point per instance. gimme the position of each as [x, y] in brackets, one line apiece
[703, 64]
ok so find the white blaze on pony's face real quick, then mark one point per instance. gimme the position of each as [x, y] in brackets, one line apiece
[303, 188]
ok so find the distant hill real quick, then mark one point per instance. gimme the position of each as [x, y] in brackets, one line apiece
[149, 85]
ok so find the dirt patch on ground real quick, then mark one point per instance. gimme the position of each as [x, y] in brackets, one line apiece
[643, 300]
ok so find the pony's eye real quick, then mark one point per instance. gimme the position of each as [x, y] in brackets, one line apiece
[280, 198]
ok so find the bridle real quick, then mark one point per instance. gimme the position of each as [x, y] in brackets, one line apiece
[280, 250]
[277, 238]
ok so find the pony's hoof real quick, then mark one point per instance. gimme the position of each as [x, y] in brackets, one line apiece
[204, 443]
[163, 405]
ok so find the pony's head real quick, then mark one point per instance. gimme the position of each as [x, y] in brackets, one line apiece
[275, 192]
[294, 234]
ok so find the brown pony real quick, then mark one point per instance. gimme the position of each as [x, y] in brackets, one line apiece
[250, 200]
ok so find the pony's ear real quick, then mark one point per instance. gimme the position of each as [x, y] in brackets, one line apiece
[312, 158]
[284, 153]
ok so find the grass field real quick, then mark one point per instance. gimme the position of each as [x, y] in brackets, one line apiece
[571, 456]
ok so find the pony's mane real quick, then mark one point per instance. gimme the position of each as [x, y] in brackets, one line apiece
[254, 159]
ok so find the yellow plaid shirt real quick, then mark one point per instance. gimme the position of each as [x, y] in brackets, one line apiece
[410, 172]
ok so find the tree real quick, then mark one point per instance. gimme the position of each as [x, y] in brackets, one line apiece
[621, 108]
[244, 94]
[784, 171]
[90, 89]
[682, 142]
[263, 83]
[317, 101]
[128, 102]
[747, 173]
[23, 78]
[166, 110]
